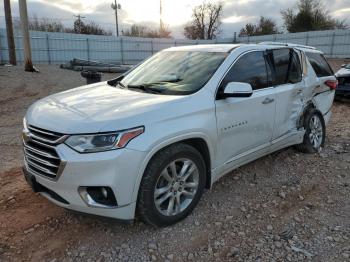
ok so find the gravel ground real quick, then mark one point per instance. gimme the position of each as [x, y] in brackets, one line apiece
[284, 207]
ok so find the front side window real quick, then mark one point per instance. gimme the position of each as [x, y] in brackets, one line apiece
[174, 72]
[250, 68]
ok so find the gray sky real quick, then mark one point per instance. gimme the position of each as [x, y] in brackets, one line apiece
[175, 12]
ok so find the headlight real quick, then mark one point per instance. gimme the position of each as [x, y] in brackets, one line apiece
[103, 142]
[25, 127]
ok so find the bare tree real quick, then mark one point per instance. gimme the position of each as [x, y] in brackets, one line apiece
[144, 31]
[206, 21]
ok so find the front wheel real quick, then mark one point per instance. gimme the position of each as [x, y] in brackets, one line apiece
[315, 132]
[172, 185]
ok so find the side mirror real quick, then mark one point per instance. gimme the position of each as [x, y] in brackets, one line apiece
[343, 65]
[237, 89]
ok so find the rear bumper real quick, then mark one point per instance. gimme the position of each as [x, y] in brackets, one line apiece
[117, 169]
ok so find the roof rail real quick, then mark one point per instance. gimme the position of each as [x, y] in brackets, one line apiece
[288, 44]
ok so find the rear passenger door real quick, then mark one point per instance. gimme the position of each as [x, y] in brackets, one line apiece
[287, 80]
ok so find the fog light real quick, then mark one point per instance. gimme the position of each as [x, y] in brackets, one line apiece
[98, 196]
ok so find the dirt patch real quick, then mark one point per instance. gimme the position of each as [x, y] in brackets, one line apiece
[286, 206]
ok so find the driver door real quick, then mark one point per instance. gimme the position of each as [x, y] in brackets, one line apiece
[245, 124]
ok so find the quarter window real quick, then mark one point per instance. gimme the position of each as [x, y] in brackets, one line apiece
[319, 64]
[251, 69]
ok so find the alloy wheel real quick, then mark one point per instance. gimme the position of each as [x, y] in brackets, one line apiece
[316, 131]
[176, 187]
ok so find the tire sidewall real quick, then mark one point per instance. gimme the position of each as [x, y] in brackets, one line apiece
[153, 172]
[307, 120]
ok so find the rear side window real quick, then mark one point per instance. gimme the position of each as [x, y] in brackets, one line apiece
[319, 64]
[286, 65]
[281, 61]
[251, 69]
[294, 75]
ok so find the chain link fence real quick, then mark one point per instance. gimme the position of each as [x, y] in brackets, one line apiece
[56, 48]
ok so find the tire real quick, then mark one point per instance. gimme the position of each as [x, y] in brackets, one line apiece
[158, 177]
[310, 143]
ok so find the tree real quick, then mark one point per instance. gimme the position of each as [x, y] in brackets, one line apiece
[265, 26]
[90, 28]
[311, 16]
[144, 31]
[206, 21]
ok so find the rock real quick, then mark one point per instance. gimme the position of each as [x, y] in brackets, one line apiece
[345, 255]
[269, 228]
[170, 256]
[190, 256]
[297, 219]
[229, 217]
[152, 246]
[153, 258]
[243, 209]
[278, 244]
[233, 252]
[28, 230]
[282, 194]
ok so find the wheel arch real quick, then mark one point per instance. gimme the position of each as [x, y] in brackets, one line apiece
[309, 105]
[198, 140]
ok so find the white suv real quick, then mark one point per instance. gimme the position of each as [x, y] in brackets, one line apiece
[152, 140]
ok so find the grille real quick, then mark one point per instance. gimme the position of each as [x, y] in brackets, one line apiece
[40, 155]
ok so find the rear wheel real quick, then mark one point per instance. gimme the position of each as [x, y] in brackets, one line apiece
[172, 185]
[315, 132]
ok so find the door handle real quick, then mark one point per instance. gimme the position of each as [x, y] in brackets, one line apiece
[299, 91]
[268, 100]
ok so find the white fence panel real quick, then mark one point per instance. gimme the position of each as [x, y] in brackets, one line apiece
[56, 48]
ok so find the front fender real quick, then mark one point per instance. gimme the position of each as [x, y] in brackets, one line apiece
[159, 145]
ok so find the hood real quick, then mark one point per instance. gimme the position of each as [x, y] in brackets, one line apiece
[343, 72]
[97, 108]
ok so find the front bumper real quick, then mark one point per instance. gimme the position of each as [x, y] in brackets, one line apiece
[117, 169]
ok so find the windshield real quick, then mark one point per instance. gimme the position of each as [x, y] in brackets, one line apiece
[347, 66]
[174, 72]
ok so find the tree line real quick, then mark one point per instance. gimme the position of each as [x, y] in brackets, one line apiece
[309, 15]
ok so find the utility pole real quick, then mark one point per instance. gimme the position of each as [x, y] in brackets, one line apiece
[28, 65]
[9, 30]
[160, 16]
[79, 24]
[115, 7]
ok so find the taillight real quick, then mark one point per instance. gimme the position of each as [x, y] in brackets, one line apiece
[332, 84]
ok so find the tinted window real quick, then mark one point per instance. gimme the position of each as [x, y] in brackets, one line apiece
[251, 69]
[319, 64]
[281, 61]
[286, 65]
[294, 75]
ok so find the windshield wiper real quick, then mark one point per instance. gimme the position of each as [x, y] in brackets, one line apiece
[145, 88]
[121, 84]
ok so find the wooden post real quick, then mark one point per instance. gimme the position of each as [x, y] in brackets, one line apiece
[9, 30]
[28, 65]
